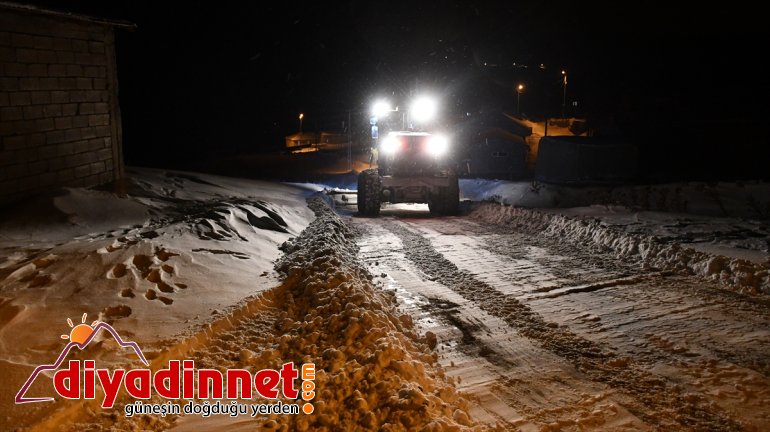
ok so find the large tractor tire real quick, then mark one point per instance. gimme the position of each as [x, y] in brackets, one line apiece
[369, 187]
[447, 201]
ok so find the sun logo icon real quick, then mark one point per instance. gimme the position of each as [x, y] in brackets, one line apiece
[81, 332]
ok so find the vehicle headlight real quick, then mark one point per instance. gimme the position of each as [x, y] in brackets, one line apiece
[438, 145]
[390, 145]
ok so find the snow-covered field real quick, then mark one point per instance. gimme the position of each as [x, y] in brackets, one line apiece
[175, 248]
[175, 251]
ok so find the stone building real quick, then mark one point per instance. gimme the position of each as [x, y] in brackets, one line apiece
[59, 113]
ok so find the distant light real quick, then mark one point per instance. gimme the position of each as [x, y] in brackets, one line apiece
[564, 72]
[301, 116]
[520, 87]
[381, 108]
[423, 109]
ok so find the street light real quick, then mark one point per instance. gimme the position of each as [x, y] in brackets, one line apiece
[301, 116]
[564, 96]
[519, 91]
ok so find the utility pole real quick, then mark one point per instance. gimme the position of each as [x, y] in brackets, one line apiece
[564, 96]
[350, 145]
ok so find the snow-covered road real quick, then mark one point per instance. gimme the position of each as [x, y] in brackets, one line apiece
[549, 334]
[592, 318]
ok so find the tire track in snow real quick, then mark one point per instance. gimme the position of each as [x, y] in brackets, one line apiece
[483, 353]
[708, 340]
[651, 303]
[660, 402]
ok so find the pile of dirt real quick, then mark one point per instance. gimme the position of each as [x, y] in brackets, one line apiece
[738, 274]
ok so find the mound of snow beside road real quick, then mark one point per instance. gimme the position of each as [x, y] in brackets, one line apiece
[376, 371]
[648, 250]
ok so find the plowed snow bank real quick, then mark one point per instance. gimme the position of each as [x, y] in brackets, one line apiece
[377, 373]
[738, 274]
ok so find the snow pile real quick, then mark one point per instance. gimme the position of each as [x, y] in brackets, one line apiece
[374, 372]
[730, 237]
[739, 274]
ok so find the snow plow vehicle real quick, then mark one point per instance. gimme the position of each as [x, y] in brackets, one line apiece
[412, 167]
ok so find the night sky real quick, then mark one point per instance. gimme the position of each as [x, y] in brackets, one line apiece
[212, 79]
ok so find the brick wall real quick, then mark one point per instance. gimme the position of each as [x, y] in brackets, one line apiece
[59, 116]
